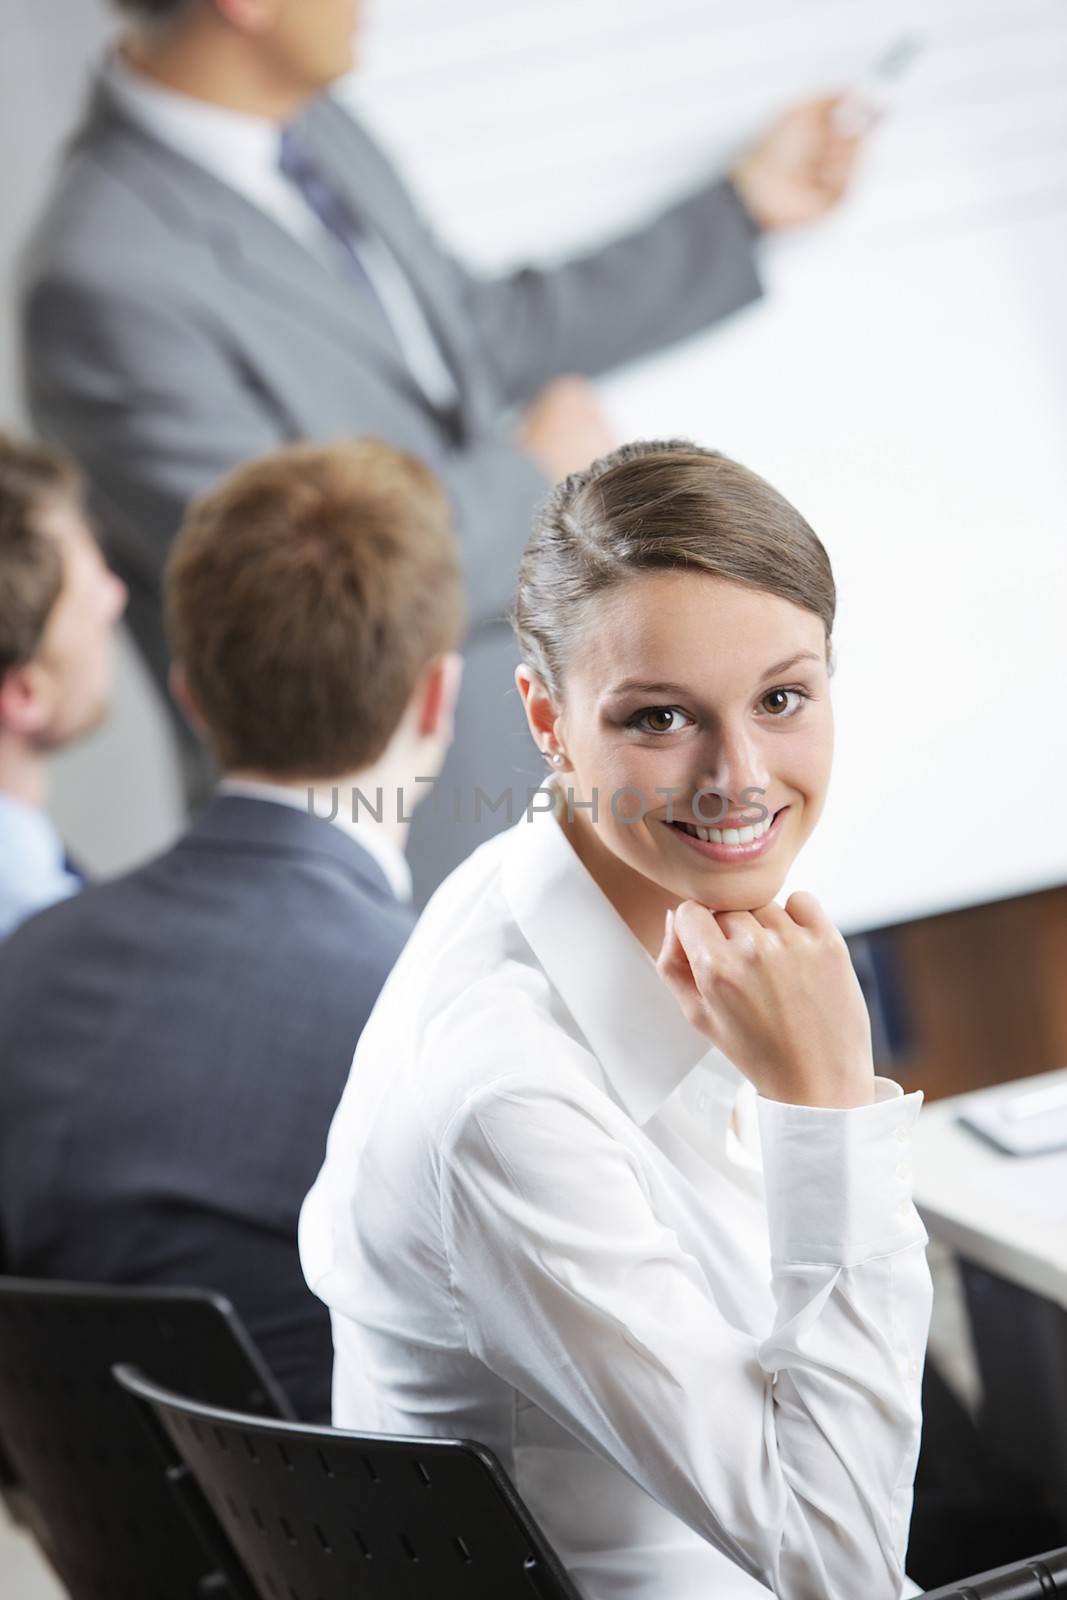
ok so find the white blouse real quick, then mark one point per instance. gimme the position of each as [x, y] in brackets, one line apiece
[697, 1352]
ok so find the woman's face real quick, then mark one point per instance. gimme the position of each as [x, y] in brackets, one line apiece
[684, 682]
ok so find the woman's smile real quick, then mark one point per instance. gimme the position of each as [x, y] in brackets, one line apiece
[733, 845]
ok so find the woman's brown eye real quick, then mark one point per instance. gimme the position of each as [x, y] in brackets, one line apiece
[787, 702]
[657, 719]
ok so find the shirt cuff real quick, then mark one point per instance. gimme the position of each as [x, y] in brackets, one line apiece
[839, 1182]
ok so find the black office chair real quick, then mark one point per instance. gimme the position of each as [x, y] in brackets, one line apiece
[113, 1529]
[1036, 1578]
[322, 1514]
[13, 1497]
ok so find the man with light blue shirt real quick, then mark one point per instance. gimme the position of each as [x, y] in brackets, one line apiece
[58, 608]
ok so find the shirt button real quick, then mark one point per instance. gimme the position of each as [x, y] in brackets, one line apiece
[904, 1208]
[903, 1134]
[913, 1369]
[902, 1169]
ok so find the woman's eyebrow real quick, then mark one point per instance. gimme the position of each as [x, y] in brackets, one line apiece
[638, 685]
[783, 666]
[631, 684]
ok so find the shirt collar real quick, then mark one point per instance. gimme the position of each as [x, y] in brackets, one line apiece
[367, 833]
[231, 144]
[30, 835]
[33, 868]
[606, 979]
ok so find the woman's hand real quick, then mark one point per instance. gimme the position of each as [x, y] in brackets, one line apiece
[774, 989]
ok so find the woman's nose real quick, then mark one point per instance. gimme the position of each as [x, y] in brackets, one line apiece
[734, 762]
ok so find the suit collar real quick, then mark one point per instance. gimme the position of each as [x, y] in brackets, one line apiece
[606, 979]
[240, 823]
[371, 835]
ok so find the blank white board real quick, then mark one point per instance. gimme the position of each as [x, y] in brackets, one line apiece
[904, 380]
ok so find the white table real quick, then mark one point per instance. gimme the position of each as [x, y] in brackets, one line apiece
[1005, 1217]
[1007, 1214]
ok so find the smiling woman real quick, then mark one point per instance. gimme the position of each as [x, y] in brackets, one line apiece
[613, 1186]
[663, 596]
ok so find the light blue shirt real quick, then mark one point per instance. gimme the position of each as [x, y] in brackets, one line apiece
[33, 864]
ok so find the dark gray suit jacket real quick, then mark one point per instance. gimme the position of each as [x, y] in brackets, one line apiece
[173, 1045]
[171, 330]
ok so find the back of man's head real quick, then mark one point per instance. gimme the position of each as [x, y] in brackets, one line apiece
[306, 597]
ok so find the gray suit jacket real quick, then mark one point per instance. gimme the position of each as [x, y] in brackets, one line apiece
[173, 1045]
[171, 330]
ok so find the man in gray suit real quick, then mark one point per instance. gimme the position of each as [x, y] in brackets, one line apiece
[229, 261]
[173, 1044]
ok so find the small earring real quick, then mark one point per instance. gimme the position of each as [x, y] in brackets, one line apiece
[557, 758]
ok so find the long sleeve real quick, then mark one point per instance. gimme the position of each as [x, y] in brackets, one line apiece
[664, 280]
[792, 1453]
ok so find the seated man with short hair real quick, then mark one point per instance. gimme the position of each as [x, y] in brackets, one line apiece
[173, 1044]
[58, 608]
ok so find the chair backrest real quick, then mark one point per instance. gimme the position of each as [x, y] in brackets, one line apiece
[81, 1450]
[1036, 1578]
[325, 1514]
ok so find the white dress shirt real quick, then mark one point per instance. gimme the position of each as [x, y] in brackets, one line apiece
[243, 152]
[371, 835]
[697, 1352]
[33, 863]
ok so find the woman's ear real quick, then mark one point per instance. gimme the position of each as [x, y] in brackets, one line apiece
[542, 713]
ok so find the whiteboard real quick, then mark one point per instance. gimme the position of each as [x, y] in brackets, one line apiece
[904, 380]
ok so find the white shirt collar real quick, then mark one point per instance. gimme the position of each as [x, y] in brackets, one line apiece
[231, 144]
[607, 980]
[371, 835]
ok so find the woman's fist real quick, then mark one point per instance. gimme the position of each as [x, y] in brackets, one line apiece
[774, 989]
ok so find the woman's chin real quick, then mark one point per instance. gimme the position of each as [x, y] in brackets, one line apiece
[722, 890]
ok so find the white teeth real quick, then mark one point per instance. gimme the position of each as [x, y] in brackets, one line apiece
[745, 835]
